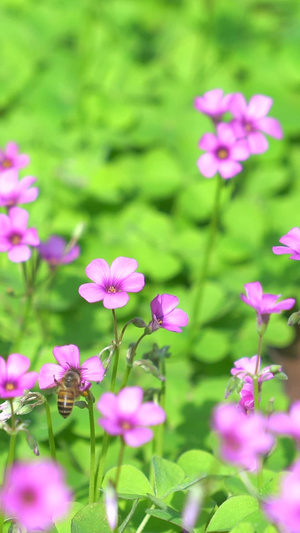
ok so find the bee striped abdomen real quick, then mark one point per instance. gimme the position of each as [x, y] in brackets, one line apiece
[65, 402]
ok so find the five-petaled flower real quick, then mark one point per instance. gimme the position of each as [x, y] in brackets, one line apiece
[68, 358]
[15, 237]
[35, 494]
[10, 158]
[13, 191]
[165, 315]
[244, 438]
[292, 244]
[14, 378]
[125, 415]
[264, 304]
[214, 104]
[250, 121]
[56, 252]
[284, 509]
[224, 152]
[111, 284]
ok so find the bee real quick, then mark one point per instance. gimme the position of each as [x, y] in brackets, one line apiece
[67, 391]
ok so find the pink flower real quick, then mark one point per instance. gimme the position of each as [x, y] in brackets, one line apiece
[56, 251]
[251, 120]
[14, 378]
[15, 237]
[68, 358]
[264, 304]
[10, 158]
[292, 244]
[13, 191]
[214, 104]
[243, 437]
[164, 314]
[192, 508]
[111, 505]
[287, 423]
[125, 415]
[112, 283]
[35, 494]
[246, 402]
[284, 509]
[223, 153]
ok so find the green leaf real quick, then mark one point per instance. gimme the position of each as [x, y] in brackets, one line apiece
[167, 475]
[231, 512]
[212, 346]
[243, 527]
[90, 518]
[132, 482]
[65, 525]
[197, 462]
[167, 515]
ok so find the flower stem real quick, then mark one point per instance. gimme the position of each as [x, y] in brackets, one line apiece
[129, 366]
[12, 442]
[50, 430]
[101, 463]
[256, 399]
[200, 282]
[92, 451]
[120, 461]
[159, 433]
[145, 521]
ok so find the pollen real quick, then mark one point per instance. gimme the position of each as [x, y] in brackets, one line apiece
[126, 425]
[222, 153]
[6, 163]
[9, 386]
[112, 289]
[15, 239]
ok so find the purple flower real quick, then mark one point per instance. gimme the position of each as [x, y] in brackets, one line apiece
[68, 358]
[56, 251]
[246, 402]
[14, 378]
[292, 244]
[164, 314]
[243, 437]
[287, 423]
[111, 505]
[15, 237]
[214, 104]
[264, 304]
[223, 153]
[125, 415]
[192, 507]
[284, 509]
[13, 191]
[10, 158]
[35, 494]
[112, 284]
[251, 120]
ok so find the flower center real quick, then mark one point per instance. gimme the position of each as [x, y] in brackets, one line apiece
[126, 425]
[222, 153]
[112, 289]
[10, 386]
[15, 239]
[159, 320]
[248, 127]
[6, 163]
[28, 496]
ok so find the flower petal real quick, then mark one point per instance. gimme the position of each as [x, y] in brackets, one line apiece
[175, 320]
[121, 268]
[238, 106]
[19, 253]
[168, 303]
[99, 272]
[208, 165]
[258, 144]
[91, 292]
[16, 365]
[48, 373]
[259, 106]
[31, 237]
[27, 381]
[278, 250]
[228, 169]
[150, 414]
[92, 369]
[115, 300]
[226, 134]
[129, 400]
[19, 218]
[137, 436]
[108, 405]
[240, 150]
[208, 142]
[133, 283]
[271, 126]
[110, 426]
[67, 356]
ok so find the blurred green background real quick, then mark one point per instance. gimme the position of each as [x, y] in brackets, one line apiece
[100, 95]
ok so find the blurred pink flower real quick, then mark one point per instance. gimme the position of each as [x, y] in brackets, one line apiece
[125, 415]
[111, 505]
[223, 153]
[13, 191]
[164, 314]
[250, 121]
[68, 358]
[292, 244]
[214, 104]
[192, 508]
[284, 509]
[264, 304]
[56, 251]
[14, 378]
[15, 237]
[10, 158]
[287, 423]
[111, 284]
[35, 494]
[243, 437]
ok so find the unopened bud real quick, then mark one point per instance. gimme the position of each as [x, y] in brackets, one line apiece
[32, 443]
[138, 322]
[294, 319]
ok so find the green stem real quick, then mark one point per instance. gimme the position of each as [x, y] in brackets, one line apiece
[159, 433]
[145, 521]
[115, 326]
[13, 436]
[18, 339]
[50, 430]
[257, 367]
[92, 451]
[200, 283]
[129, 367]
[120, 461]
[101, 463]
[256, 400]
